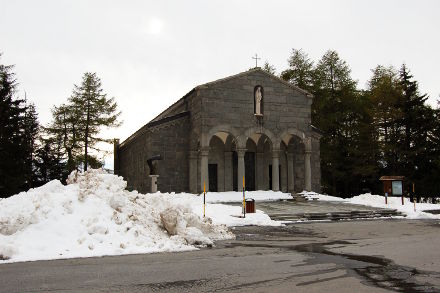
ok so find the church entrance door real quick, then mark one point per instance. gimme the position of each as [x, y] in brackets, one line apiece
[249, 165]
[212, 173]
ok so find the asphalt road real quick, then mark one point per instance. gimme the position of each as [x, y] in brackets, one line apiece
[349, 256]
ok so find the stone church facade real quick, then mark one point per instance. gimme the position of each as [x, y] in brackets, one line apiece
[252, 125]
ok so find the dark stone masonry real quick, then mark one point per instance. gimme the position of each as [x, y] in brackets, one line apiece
[242, 126]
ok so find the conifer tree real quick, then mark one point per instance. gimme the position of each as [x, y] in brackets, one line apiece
[300, 71]
[335, 112]
[31, 134]
[12, 142]
[385, 95]
[417, 123]
[269, 68]
[95, 111]
[50, 162]
[66, 132]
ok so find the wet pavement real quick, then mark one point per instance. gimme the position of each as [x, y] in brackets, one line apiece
[376, 271]
[343, 256]
[310, 207]
[293, 211]
[333, 256]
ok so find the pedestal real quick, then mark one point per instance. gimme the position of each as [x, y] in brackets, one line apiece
[154, 183]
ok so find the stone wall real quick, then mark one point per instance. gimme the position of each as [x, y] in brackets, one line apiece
[170, 140]
[231, 102]
[226, 105]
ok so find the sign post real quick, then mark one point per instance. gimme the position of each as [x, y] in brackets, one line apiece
[393, 186]
[414, 198]
[204, 196]
[244, 201]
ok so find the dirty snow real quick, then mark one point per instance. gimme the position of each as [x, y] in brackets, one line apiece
[94, 216]
[378, 201]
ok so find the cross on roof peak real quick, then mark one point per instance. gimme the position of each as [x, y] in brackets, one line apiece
[256, 60]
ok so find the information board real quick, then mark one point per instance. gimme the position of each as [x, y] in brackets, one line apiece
[397, 187]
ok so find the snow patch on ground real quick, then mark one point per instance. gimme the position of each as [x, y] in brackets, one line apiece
[378, 201]
[233, 196]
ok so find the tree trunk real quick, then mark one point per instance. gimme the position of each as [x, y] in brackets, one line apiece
[86, 136]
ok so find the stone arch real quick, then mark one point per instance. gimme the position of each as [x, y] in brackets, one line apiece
[291, 132]
[206, 137]
[242, 139]
[298, 155]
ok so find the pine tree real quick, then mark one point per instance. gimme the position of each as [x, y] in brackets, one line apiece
[50, 162]
[31, 134]
[405, 127]
[384, 94]
[12, 143]
[335, 111]
[96, 111]
[417, 123]
[66, 132]
[269, 68]
[300, 71]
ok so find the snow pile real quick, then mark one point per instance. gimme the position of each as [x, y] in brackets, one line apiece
[378, 201]
[396, 203]
[93, 216]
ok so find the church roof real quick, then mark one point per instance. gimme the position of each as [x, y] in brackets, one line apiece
[204, 85]
[256, 69]
[164, 115]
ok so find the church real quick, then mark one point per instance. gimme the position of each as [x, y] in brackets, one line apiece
[252, 126]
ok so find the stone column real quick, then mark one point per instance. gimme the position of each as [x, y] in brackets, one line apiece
[307, 165]
[240, 168]
[228, 171]
[204, 178]
[290, 174]
[192, 171]
[275, 170]
[259, 167]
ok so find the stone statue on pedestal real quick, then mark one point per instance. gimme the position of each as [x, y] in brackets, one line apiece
[258, 100]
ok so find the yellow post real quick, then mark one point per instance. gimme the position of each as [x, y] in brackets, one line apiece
[244, 200]
[204, 195]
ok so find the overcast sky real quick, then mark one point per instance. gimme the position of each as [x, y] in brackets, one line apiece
[148, 54]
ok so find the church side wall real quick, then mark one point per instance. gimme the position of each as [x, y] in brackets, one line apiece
[169, 140]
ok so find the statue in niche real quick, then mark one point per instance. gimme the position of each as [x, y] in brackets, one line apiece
[258, 100]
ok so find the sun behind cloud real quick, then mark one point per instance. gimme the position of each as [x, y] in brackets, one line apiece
[155, 26]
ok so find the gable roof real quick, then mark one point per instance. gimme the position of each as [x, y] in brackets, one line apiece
[255, 69]
[252, 70]
[160, 118]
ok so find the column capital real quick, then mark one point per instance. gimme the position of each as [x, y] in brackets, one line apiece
[204, 151]
[241, 152]
[308, 145]
[275, 153]
[290, 155]
[193, 154]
